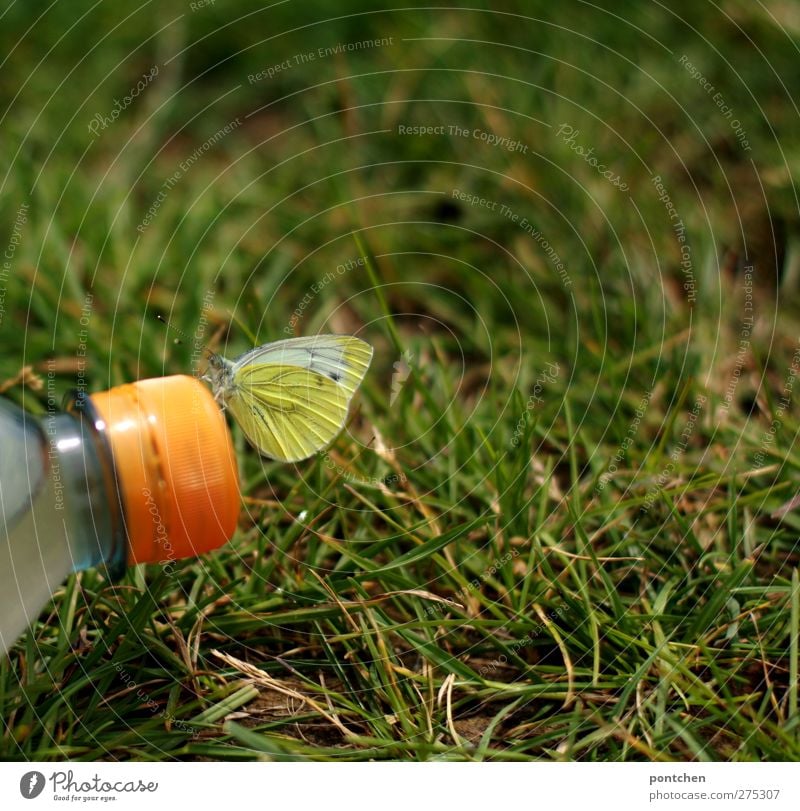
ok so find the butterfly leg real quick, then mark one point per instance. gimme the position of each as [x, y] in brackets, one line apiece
[220, 400]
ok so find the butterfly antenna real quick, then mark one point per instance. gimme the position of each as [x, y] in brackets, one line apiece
[183, 335]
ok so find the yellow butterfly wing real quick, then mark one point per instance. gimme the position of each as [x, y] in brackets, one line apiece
[291, 398]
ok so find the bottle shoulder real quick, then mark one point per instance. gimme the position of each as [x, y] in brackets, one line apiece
[23, 461]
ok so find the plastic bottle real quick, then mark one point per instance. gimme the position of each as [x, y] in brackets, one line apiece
[141, 473]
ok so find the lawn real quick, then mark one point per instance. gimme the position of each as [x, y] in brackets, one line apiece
[557, 525]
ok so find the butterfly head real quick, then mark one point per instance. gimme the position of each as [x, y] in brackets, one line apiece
[219, 373]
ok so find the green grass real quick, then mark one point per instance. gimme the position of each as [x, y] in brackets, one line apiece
[462, 577]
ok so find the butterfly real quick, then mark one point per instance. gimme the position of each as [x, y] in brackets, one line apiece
[291, 397]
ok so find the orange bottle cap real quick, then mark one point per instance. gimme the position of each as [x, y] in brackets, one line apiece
[175, 467]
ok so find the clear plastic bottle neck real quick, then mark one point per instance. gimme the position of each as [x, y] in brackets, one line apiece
[92, 494]
[59, 509]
